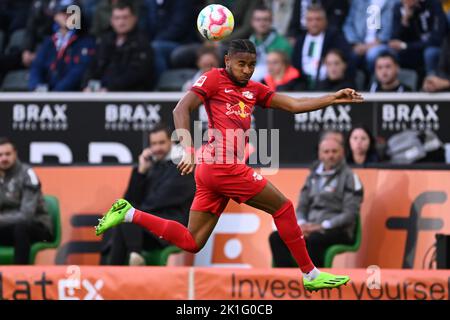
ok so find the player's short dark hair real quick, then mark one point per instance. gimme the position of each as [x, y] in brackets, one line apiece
[6, 140]
[387, 54]
[241, 45]
[125, 4]
[160, 127]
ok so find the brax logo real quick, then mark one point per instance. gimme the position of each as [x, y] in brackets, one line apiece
[47, 117]
[416, 117]
[126, 117]
[332, 118]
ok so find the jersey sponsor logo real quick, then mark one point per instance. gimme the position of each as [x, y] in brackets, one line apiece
[240, 109]
[248, 94]
[200, 81]
[228, 90]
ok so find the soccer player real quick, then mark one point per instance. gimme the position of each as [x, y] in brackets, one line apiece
[229, 98]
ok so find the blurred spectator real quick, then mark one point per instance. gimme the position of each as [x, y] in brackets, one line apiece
[369, 31]
[313, 44]
[13, 15]
[418, 30]
[243, 12]
[124, 57]
[101, 16]
[38, 23]
[281, 14]
[172, 23]
[157, 186]
[23, 217]
[337, 75]
[328, 206]
[361, 146]
[266, 39]
[63, 58]
[281, 75]
[207, 58]
[386, 75]
[446, 7]
[336, 12]
[441, 81]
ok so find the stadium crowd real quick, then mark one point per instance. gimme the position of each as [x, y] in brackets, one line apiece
[153, 45]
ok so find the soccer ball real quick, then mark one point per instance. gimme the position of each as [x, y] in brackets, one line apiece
[215, 22]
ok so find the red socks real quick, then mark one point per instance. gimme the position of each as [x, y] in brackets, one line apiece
[292, 235]
[169, 230]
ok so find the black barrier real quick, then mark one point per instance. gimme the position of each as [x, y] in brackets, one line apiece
[111, 128]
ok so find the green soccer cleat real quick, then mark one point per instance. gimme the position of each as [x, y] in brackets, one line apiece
[115, 216]
[325, 281]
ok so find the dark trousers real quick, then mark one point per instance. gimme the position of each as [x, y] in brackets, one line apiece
[21, 236]
[317, 243]
[127, 238]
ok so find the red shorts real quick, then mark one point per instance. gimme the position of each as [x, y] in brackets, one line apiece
[218, 183]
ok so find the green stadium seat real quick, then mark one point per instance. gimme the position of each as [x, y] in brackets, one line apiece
[336, 249]
[52, 204]
[159, 257]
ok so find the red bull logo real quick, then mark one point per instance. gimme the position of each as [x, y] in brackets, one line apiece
[240, 109]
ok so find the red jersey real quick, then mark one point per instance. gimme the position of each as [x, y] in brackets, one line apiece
[229, 108]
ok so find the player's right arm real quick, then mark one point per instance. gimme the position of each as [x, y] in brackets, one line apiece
[299, 105]
[182, 120]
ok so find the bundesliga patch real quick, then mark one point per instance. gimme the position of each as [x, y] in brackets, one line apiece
[200, 81]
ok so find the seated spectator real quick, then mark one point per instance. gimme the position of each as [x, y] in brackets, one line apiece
[337, 73]
[63, 58]
[365, 35]
[266, 39]
[124, 57]
[281, 75]
[440, 81]
[313, 44]
[207, 58]
[336, 12]
[23, 217]
[328, 206]
[282, 14]
[101, 16]
[386, 75]
[361, 146]
[157, 186]
[417, 33]
[38, 25]
[172, 25]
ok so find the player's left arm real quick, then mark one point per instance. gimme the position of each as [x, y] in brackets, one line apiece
[299, 105]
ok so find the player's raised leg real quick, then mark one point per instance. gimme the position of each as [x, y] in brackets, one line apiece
[190, 239]
[271, 200]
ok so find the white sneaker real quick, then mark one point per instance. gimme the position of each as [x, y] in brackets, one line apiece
[136, 259]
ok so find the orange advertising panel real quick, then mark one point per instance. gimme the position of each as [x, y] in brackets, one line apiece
[376, 284]
[189, 283]
[92, 283]
[401, 213]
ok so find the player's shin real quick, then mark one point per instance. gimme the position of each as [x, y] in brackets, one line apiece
[289, 231]
[172, 231]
